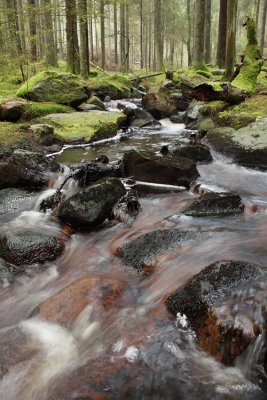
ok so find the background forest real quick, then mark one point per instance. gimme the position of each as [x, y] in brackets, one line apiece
[121, 35]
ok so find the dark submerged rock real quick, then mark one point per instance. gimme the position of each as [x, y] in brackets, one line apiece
[142, 251]
[29, 248]
[138, 118]
[202, 296]
[90, 207]
[149, 167]
[215, 204]
[180, 118]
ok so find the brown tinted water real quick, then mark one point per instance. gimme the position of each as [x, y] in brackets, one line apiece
[120, 342]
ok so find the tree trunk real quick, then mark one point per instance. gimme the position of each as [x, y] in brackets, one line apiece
[122, 36]
[263, 26]
[221, 46]
[116, 58]
[84, 40]
[50, 46]
[73, 59]
[102, 34]
[158, 34]
[257, 13]
[127, 37]
[189, 32]
[32, 26]
[207, 31]
[230, 39]
[141, 36]
[199, 35]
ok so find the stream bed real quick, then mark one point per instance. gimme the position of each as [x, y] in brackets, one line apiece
[133, 349]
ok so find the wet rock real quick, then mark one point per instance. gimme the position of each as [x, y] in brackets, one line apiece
[94, 100]
[247, 146]
[44, 132]
[96, 170]
[57, 87]
[138, 118]
[66, 304]
[91, 206]
[149, 167]
[11, 110]
[215, 204]
[13, 201]
[141, 252]
[88, 108]
[205, 300]
[8, 271]
[29, 248]
[181, 101]
[159, 103]
[127, 208]
[180, 118]
[197, 153]
[26, 169]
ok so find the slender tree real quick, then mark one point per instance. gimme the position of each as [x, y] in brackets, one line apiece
[158, 35]
[263, 26]
[221, 44]
[199, 35]
[189, 32]
[102, 33]
[32, 26]
[207, 31]
[50, 45]
[230, 38]
[84, 40]
[73, 59]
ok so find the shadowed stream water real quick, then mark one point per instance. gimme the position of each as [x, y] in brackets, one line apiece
[133, 349]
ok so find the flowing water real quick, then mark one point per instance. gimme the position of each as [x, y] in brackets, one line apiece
[133, 349]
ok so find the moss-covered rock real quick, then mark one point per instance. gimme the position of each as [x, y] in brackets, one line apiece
[62, 88]
[159, 103]
[13, 136]
[212, 108]
[247, 146]
[115, 86]
[94, 125]
[94, 100]
[246, 80]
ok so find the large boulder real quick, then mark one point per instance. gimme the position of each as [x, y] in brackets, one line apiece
[114, 86]
[13, 201]
[57, 87]
[11, 110]
[214, 204]
[91, 206]
[138, 118]
[66, 304]
[159, 103]
[213, 301]
[148, 167]
[91, 126]
[29, 248]
[26, 169]
[197, 152]
[141, 253]
[247, 146]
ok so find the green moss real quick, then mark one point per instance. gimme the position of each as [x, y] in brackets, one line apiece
[113, 85]
[94, 125]
[212, 108]
[35, 110]
[262, 80]
[246, 80]
[201, 66]
[13, 136]
[206, 74]
[240, 116]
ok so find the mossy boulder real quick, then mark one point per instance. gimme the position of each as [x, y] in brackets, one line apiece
[212, 108]
[94, 100]
[114, 86]
[13, 136]
[142, 252]
[62, 88]
[159, 103]
[247, 146]
[197, 153]
[29, 248]
[220, 290]
[91, 126]
[91, 206]
[214, 204]
[148, 167]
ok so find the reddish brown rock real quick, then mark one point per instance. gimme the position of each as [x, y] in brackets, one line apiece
[65, 306]
[11, 110]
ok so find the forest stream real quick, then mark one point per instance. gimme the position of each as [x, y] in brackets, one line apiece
[132, 348]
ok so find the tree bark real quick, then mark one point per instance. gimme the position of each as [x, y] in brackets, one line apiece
[263, 26]
[84, 40]
[32, 26]
[199, 34]
[207, 31]
[115, 14]
[73, 59]
[50, 45]
[221, 46]
[102, 34]
[122, 36]
[158, 35]
[230, 39]
[189, 32]
[141, 35]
